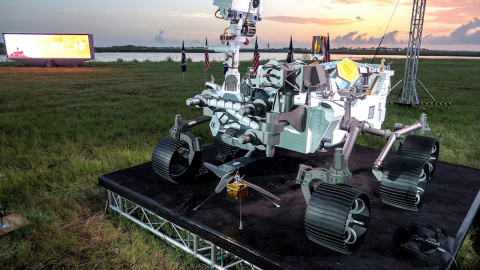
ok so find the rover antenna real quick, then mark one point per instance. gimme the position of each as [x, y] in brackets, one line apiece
[381, 40]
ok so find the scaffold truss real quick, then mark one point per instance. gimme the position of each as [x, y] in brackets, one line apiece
[206, 251]
[408, 93]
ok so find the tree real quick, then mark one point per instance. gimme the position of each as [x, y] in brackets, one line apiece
[3, 50]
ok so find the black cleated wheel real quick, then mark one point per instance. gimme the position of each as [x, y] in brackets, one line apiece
[175, 160]
[225, 150]
[404, 182]
[423, 148]
[337, 217]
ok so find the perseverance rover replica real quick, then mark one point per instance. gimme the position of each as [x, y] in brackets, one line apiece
[303, 108]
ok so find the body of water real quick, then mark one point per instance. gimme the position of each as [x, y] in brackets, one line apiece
[246, 56]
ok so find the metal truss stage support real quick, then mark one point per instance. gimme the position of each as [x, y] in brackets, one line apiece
[207, 252]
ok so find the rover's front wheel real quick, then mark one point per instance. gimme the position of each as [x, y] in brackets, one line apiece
[175, 160]
[337, 217]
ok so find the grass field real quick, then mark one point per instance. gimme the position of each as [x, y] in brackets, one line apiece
[61, 128]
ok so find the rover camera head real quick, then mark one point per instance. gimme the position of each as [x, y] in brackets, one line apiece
[235, 10]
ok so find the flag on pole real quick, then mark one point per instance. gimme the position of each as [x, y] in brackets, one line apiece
[317, 46]
[225, 67]
[184, 61]
[207, 59]
[256, 59]
[326, 40]
[321, 47]
[290, 52]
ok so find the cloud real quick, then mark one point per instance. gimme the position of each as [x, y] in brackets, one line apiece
[159, 38]
[174, 42]
[465, 34]
[301, 20]
[356, 39]
[325, 7]
[391, 38]
[451, 12]
[375, 2]
[358, 18]
[189, 15]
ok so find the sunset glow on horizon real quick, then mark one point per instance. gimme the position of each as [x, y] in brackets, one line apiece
[451, 25]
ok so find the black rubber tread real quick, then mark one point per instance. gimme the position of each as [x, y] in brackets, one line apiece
[166, 165]
[400, 181]
[222, 147]
[420, 147]
[327, 213]
[225, 148]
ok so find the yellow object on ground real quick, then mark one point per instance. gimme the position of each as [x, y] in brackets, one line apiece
[237, 191]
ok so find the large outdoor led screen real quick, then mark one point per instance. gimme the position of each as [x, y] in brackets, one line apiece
[47, 46]
[62, 48]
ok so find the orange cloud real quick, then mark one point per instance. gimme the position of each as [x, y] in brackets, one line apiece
[451, 4]
[370, 2]
[457, 15]
[301, 20]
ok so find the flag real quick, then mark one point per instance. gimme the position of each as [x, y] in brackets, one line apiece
[256, 59]
[290, 52]
[184, 61]
[225, 67]
[326, 56]
[207, 60]
[317, 46]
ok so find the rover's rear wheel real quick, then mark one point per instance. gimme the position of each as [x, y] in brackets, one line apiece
[175, 160]
[337, 217]
[423, 148]
[404, 182]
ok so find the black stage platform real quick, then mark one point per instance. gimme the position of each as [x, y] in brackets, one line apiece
[274, 237]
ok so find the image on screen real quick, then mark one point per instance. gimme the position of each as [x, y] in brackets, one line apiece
[48, 46]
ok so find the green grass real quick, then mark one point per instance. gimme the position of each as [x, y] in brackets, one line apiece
[61, 128]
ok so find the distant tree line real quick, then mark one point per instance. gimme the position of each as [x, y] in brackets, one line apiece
[340, 50]
[401, 51]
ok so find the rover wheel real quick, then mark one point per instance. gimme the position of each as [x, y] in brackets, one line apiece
[404, 182]
[337, 217]
[226, 151]
[423, 148]
[225, 148]
[175, 160]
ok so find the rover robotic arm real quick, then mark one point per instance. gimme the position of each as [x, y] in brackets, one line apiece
[243, 16]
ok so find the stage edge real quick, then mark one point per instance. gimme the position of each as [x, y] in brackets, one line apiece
[467, 222]
[206, 251]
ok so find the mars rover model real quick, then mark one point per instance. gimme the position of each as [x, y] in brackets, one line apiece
[303, 108]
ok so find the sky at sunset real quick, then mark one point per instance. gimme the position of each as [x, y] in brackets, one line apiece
[450, 25]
